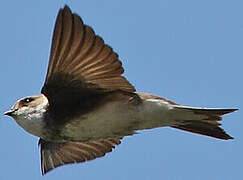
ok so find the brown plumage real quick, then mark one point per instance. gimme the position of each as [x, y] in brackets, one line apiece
[58, 154]
[208, 126]
[82, 68]
[79, 53]
[87, 106]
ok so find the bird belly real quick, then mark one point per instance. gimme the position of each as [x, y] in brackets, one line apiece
[117, 119]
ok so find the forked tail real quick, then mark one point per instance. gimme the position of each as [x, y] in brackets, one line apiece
[207, 122]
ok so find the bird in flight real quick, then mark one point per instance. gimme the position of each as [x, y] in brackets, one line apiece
[87, 106]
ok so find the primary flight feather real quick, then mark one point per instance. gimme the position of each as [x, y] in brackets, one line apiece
[87, 106]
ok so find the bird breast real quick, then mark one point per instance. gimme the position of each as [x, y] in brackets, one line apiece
[117, 119]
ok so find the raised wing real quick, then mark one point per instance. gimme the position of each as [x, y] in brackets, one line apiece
[80, 61]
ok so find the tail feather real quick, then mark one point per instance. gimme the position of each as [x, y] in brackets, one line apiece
[208, 125]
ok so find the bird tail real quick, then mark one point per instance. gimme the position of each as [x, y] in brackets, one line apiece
[206, 123]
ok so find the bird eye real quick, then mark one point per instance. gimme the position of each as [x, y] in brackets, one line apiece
[27, 100]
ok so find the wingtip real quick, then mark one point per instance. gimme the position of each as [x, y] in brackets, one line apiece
[43, 173]
[66, 7]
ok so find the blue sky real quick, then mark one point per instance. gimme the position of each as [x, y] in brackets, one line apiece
[188, 51]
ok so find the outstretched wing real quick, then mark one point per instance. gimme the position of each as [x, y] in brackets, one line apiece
[57, 154]
[80, 62]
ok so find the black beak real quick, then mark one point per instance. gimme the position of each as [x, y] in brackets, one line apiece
[9, 112]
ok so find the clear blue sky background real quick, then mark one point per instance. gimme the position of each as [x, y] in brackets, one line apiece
[189, 51]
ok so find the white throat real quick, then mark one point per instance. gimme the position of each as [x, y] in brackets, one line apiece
[31, 118]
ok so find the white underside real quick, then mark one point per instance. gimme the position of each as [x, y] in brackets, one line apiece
[114, 119]
[32, 122]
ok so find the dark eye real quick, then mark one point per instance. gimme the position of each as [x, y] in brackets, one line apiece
[27, 100]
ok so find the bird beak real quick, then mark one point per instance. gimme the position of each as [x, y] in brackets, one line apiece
[10, 112]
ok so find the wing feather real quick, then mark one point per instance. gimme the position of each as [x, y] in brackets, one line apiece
[57, 154]
[80, 54]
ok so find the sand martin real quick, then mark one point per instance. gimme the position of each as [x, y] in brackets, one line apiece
[87, 106]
